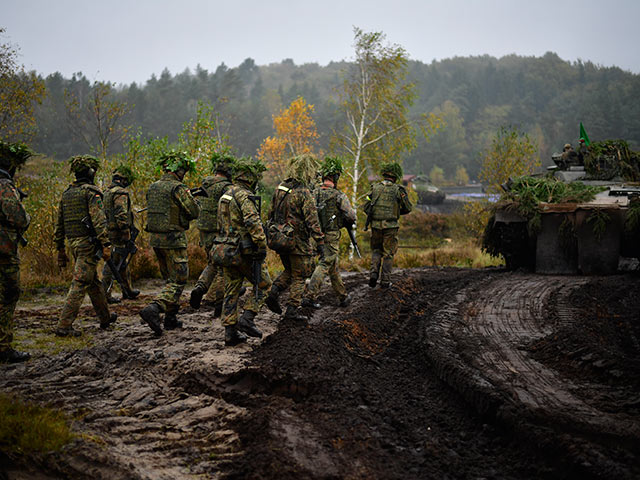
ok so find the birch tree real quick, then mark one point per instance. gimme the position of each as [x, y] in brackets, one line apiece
[375, 101]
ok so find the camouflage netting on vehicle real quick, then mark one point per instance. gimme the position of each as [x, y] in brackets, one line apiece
[612, 158]
[523, 198]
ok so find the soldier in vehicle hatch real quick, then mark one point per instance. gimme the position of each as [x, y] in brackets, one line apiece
[119, 213]
[171, 207]
[294, 216]
[82, 222]
[334, 213]
[14, 220]
[215, 186]
[241, 248]
[386, 201]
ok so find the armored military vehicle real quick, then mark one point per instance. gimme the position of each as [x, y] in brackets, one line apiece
[428, 193]
[579, 218]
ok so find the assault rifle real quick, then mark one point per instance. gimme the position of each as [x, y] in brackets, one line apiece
[198, 192]
[21, 240]
[129, 249]
[352, 236]
[256, 264]
[86, 221]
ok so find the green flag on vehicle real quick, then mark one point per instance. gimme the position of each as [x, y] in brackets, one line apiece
[583, 134]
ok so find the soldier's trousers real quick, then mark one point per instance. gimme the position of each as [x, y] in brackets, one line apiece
[174, 268]
[328, 266]
[9, 294]
[233, 279]
[85, 280]
[117, 255]
[211, 279]
[297, 268]
[384, 245]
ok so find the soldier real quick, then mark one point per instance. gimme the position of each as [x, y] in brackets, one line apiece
[241, 248]
[14, 220]
[386, 201]
[293, 205]
[117, 209]
[334, 212]
[82, 222]
[170, 209]
[215, 186]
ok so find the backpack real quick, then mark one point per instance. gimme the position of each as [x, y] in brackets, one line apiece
[280, 232]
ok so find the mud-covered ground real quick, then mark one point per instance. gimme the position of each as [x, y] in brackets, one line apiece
[449, 374]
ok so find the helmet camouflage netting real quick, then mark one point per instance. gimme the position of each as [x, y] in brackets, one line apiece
[391, 169]
[173, 160]
[82, 162]
[14, 154]
[223, 163]
[331, 166]
[303, 168]
[249, 169]
[125, 172]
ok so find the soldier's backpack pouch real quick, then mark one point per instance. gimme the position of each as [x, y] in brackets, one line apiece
[226, 252]
[280, 237]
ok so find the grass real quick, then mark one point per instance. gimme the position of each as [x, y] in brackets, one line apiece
[29, 428]
[48, 343]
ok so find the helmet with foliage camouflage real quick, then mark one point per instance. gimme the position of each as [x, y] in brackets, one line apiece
[14, 154]
[222, 162]
[249, 170]
[303, 168]
[331, 166]
[391, 169]
[125, 172]
[173, 160]
[78, 163]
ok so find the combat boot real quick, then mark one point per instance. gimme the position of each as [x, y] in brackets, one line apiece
[385, 285]
[13, 356]
[373, 279]
[151, 315]
[171, 321]
[295, 313]
[233, 337]
[196, 297]
[272, 300]
[346, 300]
[217, 310]
[112, 318]
[133, 294]
[111, 300]
[67, 332]
[309, 303]
[246, 324]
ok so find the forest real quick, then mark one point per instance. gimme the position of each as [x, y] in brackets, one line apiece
[545, 97]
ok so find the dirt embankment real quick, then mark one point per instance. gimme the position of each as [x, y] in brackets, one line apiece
[450, 374]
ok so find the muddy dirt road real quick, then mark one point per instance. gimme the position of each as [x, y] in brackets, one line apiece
[449, 374]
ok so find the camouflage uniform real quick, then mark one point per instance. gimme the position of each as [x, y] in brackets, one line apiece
[334, 212]
[207, 223]
[82, 199]
[387, 201]
[14, 220]
[119, 213]
[171, 208]
[294, 202]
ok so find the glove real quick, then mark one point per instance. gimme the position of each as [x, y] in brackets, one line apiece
[106, 253]
[260, 255]
[62, 259]
[320, 250]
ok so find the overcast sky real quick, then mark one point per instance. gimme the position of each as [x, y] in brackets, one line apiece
[129, 40]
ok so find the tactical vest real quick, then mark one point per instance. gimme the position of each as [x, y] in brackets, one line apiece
[224, 215]
[208, 218]
[163, 214]
[109, 206]
[328, 211]
[384, 203]
[74, 208]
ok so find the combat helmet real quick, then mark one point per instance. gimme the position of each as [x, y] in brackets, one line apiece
[392, 170]
[331, 167]
[249, 171]
[222, 162]
[84, 165]
[125, 173]
[13, 155]
[173, 160]
[303, 168]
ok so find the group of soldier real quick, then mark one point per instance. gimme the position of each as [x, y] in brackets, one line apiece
[305, 220]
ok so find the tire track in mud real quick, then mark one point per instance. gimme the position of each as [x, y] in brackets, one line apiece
[479, 346]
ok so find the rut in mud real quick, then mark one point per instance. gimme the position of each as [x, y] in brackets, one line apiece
[449, 374]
